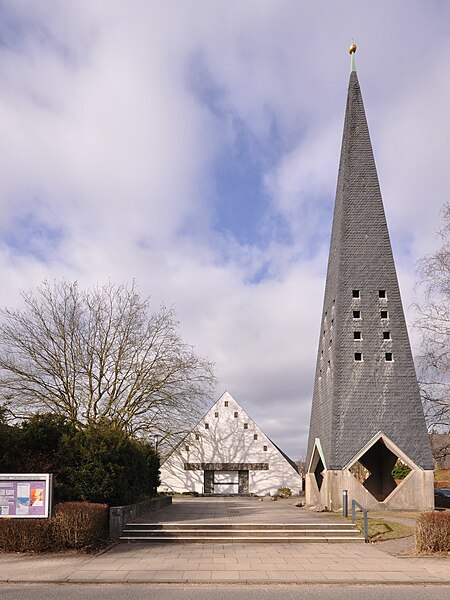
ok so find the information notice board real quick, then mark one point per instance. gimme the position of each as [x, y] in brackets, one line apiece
[25, 496]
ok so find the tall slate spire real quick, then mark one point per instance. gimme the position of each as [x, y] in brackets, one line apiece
[365, 379]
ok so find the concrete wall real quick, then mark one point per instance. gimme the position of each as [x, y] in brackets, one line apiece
[227, 440]
[415, 492]
[120, 515]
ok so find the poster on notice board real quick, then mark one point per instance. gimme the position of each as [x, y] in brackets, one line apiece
[25, 496]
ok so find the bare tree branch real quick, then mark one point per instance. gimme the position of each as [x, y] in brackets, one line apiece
[98, 354]
[433, 323]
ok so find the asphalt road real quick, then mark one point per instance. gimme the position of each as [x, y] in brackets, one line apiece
[225, 592]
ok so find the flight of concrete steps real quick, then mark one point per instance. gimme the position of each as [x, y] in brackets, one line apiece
[238, 533]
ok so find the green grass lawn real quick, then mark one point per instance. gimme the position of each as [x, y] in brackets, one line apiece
[381, 530]
[407, 514]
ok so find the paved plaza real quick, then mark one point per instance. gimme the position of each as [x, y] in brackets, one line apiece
[237, 563]
[237, 509]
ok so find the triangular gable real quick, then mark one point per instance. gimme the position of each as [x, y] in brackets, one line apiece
[209, 417]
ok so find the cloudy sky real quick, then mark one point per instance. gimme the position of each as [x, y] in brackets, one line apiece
[194, 145]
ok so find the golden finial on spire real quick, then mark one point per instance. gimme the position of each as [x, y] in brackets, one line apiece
[352, 48]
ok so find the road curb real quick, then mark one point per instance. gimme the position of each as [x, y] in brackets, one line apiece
[227, 582]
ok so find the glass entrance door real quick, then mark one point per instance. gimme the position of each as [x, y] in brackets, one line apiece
[226, 482]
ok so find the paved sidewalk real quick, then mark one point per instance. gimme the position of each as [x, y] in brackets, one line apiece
[295, 563]
[262, 563]
[246, 563]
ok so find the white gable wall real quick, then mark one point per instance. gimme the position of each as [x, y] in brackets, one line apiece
[223, 439]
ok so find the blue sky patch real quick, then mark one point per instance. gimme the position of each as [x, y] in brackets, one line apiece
[30, 236]
[240, 201]
[17, 29]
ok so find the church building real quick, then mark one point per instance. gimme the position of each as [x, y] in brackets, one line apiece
[367, 421]
[227, 453]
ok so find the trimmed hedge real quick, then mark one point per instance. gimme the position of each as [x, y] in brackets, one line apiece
[25, 535]
[73, 526]
[433, 532]
[79, 524]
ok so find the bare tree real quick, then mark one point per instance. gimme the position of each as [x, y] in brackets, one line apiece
[99, 354]
[433, 323]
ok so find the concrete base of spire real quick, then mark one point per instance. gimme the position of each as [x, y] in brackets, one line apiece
[415, 492]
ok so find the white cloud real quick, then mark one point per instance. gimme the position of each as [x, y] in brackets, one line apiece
[107, 137]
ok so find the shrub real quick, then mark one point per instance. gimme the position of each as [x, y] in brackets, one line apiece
[25, 535]
[284, 492]
[102, 464]
[42, 433]
[9, 447]
[400, 470]
[34, 446]
[153, 463]
[74, 525]
[79, 525]
[433, 532]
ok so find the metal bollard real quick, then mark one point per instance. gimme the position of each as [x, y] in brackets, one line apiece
[345, 503]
